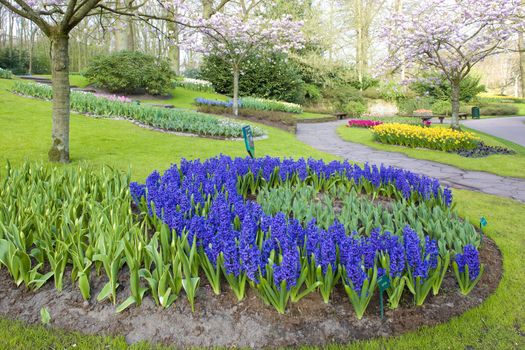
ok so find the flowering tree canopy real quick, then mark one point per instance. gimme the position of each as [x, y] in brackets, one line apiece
[235, 39]
[452, 36]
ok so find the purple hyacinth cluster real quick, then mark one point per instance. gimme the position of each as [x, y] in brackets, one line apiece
[470, 258]
[204, 201]
[420, 257]
[206, 102]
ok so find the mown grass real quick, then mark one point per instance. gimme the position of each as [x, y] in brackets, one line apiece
[185, 98]
[26, 134]
[74, 79]
[504, 165]
[499, 323]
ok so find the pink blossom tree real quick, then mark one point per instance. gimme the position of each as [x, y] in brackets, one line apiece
[56, 19]
[451, 36]
[235, 38]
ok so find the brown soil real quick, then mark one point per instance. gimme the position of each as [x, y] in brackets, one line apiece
[221, 321]
[281, 120]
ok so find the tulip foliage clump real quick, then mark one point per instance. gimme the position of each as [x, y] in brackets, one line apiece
[111, 106]
[284, 228]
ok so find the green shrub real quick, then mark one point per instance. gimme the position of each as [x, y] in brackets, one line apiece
[442, 107]
[407, 106]
[372, 93]
[130, 72]
[266, 76]
[5, 74]
[355, 109]
[438, 87]
[499, 109]
[17, 61]
[179, 120]
[391, 91]
[312, 93]
[340, 96]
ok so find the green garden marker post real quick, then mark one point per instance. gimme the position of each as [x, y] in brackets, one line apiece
[482, 223]
[248, 140]
[383, 282]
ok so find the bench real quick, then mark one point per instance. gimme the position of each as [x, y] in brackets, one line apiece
[341, 115]
[460, 116]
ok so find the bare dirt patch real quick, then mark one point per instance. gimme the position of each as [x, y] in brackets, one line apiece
[221, 321]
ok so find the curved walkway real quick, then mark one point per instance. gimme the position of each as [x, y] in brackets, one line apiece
[323, 136]
[512, 128]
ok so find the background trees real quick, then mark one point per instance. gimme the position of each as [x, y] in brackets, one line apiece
[452, 37]
[340, 61]
[235, 39]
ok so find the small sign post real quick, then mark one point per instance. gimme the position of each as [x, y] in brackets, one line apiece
[482, 223]
[383, 283]
[248, 140]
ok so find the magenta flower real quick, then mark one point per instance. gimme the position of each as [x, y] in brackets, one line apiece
[363, 123]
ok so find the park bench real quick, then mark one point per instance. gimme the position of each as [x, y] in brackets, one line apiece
[460, 116]
[341, 115]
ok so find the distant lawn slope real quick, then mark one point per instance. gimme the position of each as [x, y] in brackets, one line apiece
[26, 134]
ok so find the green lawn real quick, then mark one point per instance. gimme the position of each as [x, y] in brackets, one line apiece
[26, 130]
[74, 79]
[310, 115]
[184, 98]
[504, 165]
[25, 123]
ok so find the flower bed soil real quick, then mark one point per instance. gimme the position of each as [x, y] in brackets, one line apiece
[280, 120]
[221, 321]
[483, 150]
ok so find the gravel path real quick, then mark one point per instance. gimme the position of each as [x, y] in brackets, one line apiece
[323, 136]
[512, 128]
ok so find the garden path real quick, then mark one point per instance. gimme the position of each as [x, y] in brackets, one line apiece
[323, 136]
[511, 128]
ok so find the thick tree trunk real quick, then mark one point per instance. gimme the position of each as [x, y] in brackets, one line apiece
[174, 48]
[59, 151]
[236, 91]
[454, 124]
[521, 47]
[130, 35]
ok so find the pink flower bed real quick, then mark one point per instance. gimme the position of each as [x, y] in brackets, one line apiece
[114, 97]
[363, 123]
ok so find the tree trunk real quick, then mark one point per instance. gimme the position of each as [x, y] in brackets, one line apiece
[521, 47]
[207, 9]
[236, 91]
[174, 48]
[59, 151]
[31, 49]
[454, 124]
[130, 35]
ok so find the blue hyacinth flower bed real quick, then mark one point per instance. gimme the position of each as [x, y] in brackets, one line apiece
[287, 228]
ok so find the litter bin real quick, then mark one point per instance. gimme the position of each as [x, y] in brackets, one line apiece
[475, 112]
